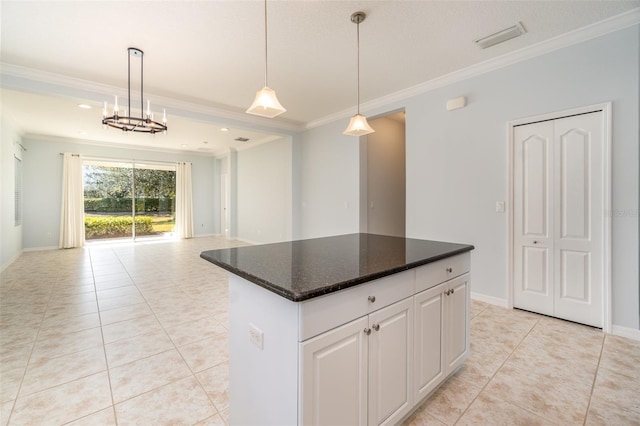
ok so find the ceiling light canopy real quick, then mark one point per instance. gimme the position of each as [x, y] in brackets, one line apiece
[266, 103]
[358, 125]
[129, 123]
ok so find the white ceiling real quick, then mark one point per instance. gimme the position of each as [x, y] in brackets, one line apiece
[204, 60]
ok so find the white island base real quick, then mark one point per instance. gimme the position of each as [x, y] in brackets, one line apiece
[369, 354]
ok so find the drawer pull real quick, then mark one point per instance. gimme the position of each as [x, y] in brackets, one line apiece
[376, 327]
[449, 270]
[367, 331]
[372, 299]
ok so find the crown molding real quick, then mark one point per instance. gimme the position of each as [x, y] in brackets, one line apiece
[598, 29]
[84, 142]
[23, 78]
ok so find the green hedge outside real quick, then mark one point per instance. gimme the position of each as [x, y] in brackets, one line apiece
[123, 205]
[116, 226]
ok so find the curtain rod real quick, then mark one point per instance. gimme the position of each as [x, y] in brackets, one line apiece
[133, 160]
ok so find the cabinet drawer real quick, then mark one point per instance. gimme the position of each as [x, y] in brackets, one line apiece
[323, 313]
[439, 271]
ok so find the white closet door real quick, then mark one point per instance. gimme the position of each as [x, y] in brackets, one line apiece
[533, 226]
[559, 218]
[578, 218]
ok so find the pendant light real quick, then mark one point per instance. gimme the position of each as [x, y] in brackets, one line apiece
[358, 125]
[129, 122]
[266, 102]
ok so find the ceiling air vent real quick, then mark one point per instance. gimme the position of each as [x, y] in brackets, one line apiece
[241, 139]
[503, 35]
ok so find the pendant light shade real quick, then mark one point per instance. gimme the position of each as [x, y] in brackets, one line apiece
[358, 125]
[266, 103]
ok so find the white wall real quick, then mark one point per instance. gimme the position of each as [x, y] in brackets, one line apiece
[10, 234]
[329, 175]
[457, 161]
[265, 192]
[385, 200]
[43, 185]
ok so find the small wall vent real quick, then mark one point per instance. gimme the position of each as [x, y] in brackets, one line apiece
[501, 36]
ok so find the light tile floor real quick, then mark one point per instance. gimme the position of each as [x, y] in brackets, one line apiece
[137, 334]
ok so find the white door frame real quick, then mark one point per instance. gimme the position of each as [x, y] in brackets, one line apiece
[606, 202]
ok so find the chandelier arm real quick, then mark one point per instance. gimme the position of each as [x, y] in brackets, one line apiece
[142, 85]
[129, 83]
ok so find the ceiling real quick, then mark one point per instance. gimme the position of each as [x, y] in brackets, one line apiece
[204, 60]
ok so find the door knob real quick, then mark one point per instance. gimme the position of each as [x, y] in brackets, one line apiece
[367, 331]
[535, 242]
[449, 270]
[372, 299]
[376, 327]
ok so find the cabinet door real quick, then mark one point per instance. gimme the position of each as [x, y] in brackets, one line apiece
[334, 376]
[428, 362]
[391, 363]
[456, 304]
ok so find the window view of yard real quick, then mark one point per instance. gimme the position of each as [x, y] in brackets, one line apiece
[110, 193]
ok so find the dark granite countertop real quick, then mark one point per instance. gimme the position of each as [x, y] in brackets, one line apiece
[304, 269]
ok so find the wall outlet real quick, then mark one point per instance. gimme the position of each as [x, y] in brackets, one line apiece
[500, 206]
[256, 336]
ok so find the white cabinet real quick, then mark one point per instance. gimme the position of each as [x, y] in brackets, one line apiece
[456, 322]
[360, 373]
[364, 355]
[441, 333]
[334, 376]
[429, 359]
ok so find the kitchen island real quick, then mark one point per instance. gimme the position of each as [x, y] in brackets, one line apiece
[351, 329]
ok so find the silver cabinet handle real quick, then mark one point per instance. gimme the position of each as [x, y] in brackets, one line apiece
[367, 331]
[376, 327]
[449, 270]
[372, 299]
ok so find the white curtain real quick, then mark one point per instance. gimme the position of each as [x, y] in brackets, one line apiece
[72, 217]
[184, 208]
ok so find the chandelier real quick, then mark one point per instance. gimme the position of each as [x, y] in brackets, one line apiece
[127, 122]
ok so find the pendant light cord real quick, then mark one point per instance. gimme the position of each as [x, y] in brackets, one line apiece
[265, 44]
[358, 66]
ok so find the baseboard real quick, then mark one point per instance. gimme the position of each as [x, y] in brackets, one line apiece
[207, 235]
[41, 248]
[503, 303]
[630, 333]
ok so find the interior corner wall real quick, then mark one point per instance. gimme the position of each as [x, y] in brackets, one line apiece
[457, 166]
[265, 192]
[386, 173]
[10, 233]
[42, 170]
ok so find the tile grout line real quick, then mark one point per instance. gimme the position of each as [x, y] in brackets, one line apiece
[595, 378]
[175, 346]
[496, 372]
[33, 346]
[104, 348]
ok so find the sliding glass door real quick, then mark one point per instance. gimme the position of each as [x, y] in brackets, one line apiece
[128, 200]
